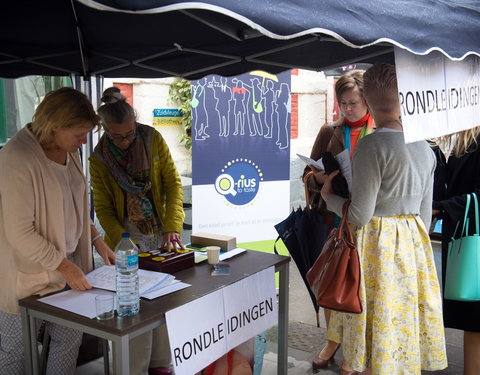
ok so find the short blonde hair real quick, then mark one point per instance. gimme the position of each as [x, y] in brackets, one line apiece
[349, 81]
[61, 109]
[381, 88]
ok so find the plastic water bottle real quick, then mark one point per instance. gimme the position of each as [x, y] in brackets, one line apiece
[126, 265]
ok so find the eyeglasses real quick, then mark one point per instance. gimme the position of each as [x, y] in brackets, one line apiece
[120, 138]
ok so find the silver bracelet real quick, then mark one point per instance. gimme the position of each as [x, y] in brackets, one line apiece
[96, 238]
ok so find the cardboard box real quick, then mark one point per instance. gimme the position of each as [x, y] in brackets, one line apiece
[209, 239]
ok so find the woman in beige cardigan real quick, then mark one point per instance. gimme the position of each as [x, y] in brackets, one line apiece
[45, 228]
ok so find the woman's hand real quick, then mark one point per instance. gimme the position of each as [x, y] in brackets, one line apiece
[104, 251]
[319, 175]
[172, 240]
[73, 275]
[327, 185]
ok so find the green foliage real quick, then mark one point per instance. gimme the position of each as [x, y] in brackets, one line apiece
[180, 94]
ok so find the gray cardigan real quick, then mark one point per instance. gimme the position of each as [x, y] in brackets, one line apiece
[389, 178]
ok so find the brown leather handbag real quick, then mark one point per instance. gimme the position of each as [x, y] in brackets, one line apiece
[335, 276]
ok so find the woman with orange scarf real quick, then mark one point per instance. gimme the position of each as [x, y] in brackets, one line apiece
[335, 137]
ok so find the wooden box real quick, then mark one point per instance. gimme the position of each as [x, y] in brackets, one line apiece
[166, 261]
[209, 239]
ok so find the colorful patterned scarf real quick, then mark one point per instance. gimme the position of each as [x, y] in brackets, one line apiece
[131, 170]
[366, 123]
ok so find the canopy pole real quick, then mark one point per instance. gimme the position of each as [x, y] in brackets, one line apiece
[92, 87]
[81, 43]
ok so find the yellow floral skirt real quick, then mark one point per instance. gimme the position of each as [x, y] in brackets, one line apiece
[400, 330]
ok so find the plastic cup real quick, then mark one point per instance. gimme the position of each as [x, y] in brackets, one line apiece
[105, 307]
[213, 253]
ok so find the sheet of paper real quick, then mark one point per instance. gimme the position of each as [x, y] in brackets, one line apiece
[78, 302]
[317, 164]
[200, 257]
[231, 253]
[343, 159]
[172, 287]
[104, 278]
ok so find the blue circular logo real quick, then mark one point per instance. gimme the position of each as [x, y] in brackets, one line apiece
[239, 181]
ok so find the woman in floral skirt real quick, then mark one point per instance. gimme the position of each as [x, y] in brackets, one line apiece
[400, 330]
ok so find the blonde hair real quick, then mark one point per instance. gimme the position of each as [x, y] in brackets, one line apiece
[459, 143]
[115, 108]
[380, 85]
[61, 109]
[349, 81]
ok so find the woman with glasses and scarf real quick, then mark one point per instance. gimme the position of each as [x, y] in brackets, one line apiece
[136, 189]
[336, 137]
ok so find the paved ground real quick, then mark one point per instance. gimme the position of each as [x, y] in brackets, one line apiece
[305, 338]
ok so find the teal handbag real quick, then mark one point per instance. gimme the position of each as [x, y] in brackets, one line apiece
[462, 279]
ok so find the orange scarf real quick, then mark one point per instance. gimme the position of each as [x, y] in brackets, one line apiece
[357, 130]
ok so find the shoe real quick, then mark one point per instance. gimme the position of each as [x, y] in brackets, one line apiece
[347, 372]
[159, 371]
[319, 363]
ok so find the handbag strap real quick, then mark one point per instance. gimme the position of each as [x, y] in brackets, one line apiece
[475, 201]
[344, 224]
[307, 193]
[465, 217]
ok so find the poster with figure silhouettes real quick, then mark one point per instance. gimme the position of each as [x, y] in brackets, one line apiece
[241, 154]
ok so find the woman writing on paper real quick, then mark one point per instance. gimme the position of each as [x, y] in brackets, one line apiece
[462, 176]
[335, 137]
[400, 330]
[45, 228]
[137, 189]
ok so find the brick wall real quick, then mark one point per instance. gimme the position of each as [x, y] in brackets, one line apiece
[294, 117]
[127, 91]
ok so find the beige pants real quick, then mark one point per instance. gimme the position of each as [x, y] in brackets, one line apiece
[149, 350]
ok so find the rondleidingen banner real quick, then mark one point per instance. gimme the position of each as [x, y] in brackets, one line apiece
[202, 331]
[438, 96]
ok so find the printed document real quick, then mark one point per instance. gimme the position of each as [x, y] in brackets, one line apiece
[105, 278]
[317, 164]
[343, 160]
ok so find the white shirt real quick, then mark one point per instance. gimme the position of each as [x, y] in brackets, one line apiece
[72, 186]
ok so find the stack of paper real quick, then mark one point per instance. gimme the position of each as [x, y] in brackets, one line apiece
[151, 284]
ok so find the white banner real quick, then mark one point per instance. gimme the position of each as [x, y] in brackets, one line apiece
[240, 145]
[252, 222]
[438, 96]
[250, 307]
[202, 331]
[196, 332]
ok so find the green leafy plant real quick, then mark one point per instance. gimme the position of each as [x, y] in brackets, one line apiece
[180, 94]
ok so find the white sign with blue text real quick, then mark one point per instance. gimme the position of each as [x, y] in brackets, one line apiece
[203, 330]
[241, 154]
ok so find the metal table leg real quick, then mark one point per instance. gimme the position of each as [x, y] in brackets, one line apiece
[29, 342]
[282, 359]
[121, 355]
